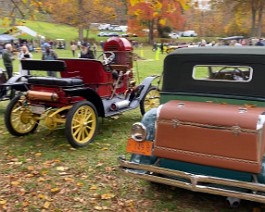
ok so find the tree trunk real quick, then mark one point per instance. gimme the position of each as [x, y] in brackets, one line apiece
[253, 20]
[151, 32]
[260, 15]
[80, 33]
[80, 25]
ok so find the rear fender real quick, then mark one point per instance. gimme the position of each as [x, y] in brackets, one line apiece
[145, 85]
[90, 95]
[17, 82]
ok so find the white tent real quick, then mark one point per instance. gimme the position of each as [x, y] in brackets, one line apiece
[7, 38]
[24, 30]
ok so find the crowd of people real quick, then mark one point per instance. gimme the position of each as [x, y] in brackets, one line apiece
[228, 42]
[22, 51]
[12, 51]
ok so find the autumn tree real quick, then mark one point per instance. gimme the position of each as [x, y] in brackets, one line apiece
[153, 14]
[81, 13]
[77, 13]
[243, 15]
[22, 9]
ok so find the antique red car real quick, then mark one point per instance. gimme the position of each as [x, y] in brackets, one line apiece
[84, 90]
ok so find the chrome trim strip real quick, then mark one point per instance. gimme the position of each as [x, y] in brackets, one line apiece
[194, 182]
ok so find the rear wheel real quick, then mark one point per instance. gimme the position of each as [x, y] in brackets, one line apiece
[19, 119]
[150, 100]
[81, 124]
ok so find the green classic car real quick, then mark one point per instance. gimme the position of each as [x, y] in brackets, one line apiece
[208, 133]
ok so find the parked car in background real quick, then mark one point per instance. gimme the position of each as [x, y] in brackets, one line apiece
[189, 33]
[174, 35]
[104, 26]
[108, 34]
[123, 28]
[114, 27]
[129, 35]
[103, 34]
[208, 134]
[113, 34]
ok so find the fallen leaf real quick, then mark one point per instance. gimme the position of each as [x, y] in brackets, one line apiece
[98, 208]
[29, 175]
[80, 184]
[115, 117]
[107, 196]
[41, 179]
[15, 183]
[30, 168]
[41, 196]
[55, 190]
[3, 202]
[46, 205]
[38, 154]
[61, 168]
[105, 148]
[25, 203]
[68, 179]
[99, 164]
[93, 187]
[63, 173]
[108, 169]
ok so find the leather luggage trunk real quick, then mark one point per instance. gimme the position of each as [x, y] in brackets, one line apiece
[219, 135]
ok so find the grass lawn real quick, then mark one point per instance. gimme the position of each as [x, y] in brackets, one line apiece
[41, 172]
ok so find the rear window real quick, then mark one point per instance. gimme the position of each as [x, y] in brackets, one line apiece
[222, 73]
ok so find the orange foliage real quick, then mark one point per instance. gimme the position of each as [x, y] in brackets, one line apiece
[163, 12]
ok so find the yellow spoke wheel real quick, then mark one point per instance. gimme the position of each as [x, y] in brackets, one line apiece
[150, 100]
[81, 124]
[19, 120]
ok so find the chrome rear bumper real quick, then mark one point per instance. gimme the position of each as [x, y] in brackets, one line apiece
[197, 183]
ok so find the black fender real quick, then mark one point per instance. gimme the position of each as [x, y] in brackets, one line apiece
[141, 90]
[90, 95]
[17, 82]
[146, 84]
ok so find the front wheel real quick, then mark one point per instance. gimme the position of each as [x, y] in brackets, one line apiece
[81, 124]
[150, 100]
[19, 119]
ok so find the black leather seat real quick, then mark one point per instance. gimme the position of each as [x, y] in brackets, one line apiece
[53, 81]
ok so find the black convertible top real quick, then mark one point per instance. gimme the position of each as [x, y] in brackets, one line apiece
[226, 50]
[179, 65]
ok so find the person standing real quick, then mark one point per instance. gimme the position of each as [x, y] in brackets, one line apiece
[86, 52]
[260, 42]
[23, 55]
[8, 60]
[73, 48]
[162, 47]
[95, 47]
[79, 45]
[49, 54]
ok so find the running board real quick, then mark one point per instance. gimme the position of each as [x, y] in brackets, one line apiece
[193, 182]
